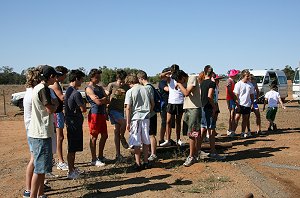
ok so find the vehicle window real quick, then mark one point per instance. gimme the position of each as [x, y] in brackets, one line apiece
[282, 80]
[296, 79]
[259, 79]
[267, 80]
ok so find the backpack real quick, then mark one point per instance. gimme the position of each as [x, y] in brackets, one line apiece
[157, 99]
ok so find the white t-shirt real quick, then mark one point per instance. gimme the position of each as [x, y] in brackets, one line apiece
[175, 95]
[273, 98]
[27, 104]
[244, 89]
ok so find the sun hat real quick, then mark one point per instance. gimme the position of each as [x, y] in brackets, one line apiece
[233, 72]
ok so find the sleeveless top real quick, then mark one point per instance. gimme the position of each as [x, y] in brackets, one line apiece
[96, 109]
[229, 82]
[60, 102]
[175, 95]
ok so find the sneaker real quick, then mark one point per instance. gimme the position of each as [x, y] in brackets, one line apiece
[73, 175]
[137, 167]
[274, 127]
[79, 171]
[46, 188]
[99, 163]
[230, 134]
[180, 143]
[270, 129]
[202, 155]
[216, 156]
[124, 142]
[42, 196]
[152, 157]
[166, 143]
[160, 142]
[248, 134]
[26, 194]
[50, 176]
[243, 135]
[145, 165]
[189, 161]
[62, 166]
[102, 159]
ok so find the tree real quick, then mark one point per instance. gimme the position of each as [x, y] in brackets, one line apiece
[289, 72]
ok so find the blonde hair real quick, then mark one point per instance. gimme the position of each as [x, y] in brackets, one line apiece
[131, 79]
[32, 77]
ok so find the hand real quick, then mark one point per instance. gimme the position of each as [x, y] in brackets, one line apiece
[283, 107]
[128, 127]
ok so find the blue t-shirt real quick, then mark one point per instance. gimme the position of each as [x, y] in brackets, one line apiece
[164, 94]
[96, 109]
[73, 101]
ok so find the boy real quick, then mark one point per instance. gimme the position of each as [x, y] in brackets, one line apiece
[117, 91]
[97, 97]
[272, 97]
[74, 106]
[41, 129]
[143, 79]
[192, 115]
[138, 108]
[59, 116]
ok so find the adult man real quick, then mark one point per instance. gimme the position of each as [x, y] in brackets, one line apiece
[143, 79]
[59, 116]
[41, 129]
[74, 106]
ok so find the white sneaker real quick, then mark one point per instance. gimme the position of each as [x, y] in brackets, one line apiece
[73, 175]
[249, 134]
[152, 157]
[62, 166]
[50, 176]
[243, 135]
[180, 143]
[166, 143]
[99, 163]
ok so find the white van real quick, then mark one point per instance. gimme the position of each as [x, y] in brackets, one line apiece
[264, 78]
[296, 85]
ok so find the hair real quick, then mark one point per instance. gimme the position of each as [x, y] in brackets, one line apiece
[165, 70]
[75, 75]
[142, 74]
[201, 77]
[32, 77]
[245, 72]
[121, 74]
[131, 79]
[274, 87]
[62, 69]
[94, 72]
[174, 68]
[42, 77]
[179, 75]
[208, 70]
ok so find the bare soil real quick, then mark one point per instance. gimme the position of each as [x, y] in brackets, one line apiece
[266, 166]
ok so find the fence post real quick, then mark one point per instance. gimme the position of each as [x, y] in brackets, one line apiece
[4, 106]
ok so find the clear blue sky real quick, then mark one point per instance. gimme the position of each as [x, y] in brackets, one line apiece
[150, 35]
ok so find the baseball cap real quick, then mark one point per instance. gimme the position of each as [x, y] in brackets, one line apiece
[47, 71]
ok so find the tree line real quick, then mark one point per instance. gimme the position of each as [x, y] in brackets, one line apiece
[8, 76]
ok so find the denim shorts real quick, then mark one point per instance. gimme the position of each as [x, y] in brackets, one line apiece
[59, 120]
[231, 104]
[42, 155]
[207, 120]
[114, 116]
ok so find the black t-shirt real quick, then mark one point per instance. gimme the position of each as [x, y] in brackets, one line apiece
[73, 101]
[205, 86]
[165, 94]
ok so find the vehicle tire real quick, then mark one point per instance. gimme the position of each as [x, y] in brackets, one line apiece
[20, 104]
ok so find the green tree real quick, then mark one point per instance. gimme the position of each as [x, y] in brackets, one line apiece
[289, 72]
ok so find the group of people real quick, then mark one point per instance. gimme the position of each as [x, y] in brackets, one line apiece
[130, 103]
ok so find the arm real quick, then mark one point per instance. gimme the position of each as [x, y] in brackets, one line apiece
[265, 102]
[185, 91]
[128, 117]
[165, 74]
[281, 103]
[95, 98]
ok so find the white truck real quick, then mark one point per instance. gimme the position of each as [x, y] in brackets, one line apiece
[264, 78]
[296, 85]
[17, 98]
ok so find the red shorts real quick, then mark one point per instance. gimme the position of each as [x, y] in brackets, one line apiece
[97, 124]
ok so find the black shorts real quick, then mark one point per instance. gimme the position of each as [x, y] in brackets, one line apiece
[244, 110]
[74, 134]
[153, 125]
[175, 109]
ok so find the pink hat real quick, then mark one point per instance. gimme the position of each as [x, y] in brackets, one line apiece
[233, 72]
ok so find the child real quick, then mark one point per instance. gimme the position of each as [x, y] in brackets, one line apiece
[97, 97]
[272, 97]
[138, 107]
[192, 115]
[74, 106]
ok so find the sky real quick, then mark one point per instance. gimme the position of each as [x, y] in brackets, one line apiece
[150, 35]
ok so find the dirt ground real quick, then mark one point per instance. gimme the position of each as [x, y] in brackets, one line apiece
[266, 166]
